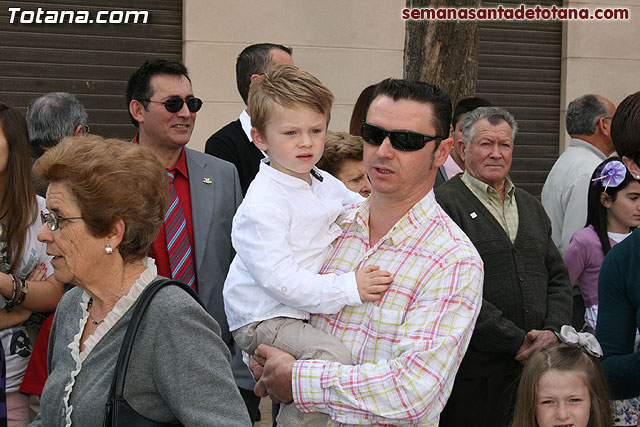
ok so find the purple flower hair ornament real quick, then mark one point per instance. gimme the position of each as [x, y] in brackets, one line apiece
[612, 174]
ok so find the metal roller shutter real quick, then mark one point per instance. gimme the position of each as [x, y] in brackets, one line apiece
[91, 61]
[519, 69]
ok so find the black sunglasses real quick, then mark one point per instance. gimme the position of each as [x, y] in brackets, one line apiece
[404, 140]
[174, 104]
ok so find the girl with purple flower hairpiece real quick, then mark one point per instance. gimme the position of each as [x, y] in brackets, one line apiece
[612, 174]
[613, 212]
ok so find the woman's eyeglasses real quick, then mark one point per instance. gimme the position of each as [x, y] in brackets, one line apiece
[404, 140]
[52, 219]
[174, 104]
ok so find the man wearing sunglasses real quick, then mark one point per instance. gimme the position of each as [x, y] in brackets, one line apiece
[205, 191]
[526, 292]
[233, 142]
[406, 347]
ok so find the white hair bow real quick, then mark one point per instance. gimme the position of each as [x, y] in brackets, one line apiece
[584, 340]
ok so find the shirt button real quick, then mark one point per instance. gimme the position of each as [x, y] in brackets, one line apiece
[284, 289]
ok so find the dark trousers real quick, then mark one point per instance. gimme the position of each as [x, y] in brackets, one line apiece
[577, 318]
[252, 402]
[488, 402]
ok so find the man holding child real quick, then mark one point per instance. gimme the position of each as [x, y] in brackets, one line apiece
[282, 232]
[407, 345]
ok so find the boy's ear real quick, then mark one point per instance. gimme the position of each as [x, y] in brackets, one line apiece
[258, 140]
[253, 77]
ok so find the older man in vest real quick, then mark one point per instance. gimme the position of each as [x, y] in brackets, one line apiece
[526, 293]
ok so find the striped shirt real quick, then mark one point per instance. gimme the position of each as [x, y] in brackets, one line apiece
[406, 347]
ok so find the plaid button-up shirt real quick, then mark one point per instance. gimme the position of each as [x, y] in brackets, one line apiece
[406, 347]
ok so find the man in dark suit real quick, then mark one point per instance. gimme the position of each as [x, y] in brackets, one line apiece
[206, 191]
[233, 142]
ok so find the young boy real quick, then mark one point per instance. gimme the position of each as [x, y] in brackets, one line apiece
[283, 230]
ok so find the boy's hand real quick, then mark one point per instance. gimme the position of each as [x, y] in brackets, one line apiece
[372, 282]
[39, 273]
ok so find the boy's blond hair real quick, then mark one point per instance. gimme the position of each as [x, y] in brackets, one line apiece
[289, 87]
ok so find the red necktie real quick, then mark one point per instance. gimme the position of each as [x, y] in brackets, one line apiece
[178, 245]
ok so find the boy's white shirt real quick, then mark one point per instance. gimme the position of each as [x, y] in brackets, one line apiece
[282, 233]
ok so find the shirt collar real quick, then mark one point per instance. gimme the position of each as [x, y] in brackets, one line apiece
[451, 167]
[245, 121]
[181, 164]
[581, 143]
[291, 181]
[484, 188]
[419, 214]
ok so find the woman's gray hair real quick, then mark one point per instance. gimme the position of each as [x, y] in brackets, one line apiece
[494, 116]
[583, 114]
[53, 116]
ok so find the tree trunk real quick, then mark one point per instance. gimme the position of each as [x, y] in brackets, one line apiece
[443, 52]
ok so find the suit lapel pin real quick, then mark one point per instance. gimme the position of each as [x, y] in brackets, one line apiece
[473, 215]
[207, 180]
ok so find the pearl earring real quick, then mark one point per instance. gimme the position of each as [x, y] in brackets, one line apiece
[108, 249]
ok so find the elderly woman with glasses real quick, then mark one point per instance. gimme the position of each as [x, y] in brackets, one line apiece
[342, 158]
[26, 280]
[106, 201]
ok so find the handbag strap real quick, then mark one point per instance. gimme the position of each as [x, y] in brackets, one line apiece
[119, 376]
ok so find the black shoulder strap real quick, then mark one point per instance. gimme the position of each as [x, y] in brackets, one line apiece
[117, 386]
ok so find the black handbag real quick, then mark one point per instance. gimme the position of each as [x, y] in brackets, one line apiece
[118, 413]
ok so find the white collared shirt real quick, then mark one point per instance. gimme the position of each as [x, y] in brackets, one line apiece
[245, 121]
[282, 233]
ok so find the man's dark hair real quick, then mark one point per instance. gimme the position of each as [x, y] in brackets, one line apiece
[254, 59]
[625, 128]
[583, 114]
[139, 88]
[51, 117]
[425, 93]
[468, 104]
